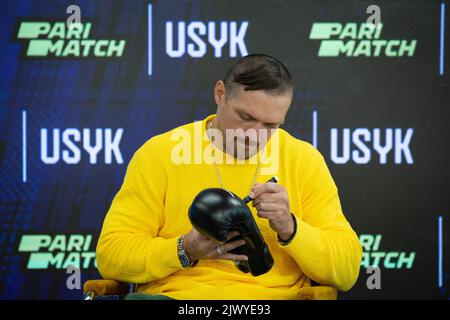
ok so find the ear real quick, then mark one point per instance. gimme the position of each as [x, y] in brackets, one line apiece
[219, 93]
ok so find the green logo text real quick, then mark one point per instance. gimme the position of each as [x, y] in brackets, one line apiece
[358, 40]
[55, 39]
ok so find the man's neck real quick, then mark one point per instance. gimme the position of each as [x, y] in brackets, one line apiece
[211, 124]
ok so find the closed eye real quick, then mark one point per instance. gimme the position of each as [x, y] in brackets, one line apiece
[271, 125]
[246, 116]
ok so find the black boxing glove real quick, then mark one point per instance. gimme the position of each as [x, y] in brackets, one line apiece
[216, 212]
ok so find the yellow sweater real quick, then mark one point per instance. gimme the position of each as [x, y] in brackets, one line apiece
[138, 242]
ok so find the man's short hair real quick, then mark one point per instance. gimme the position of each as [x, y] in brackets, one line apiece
[259, 72]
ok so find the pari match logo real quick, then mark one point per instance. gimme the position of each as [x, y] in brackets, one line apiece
[55, 39]
[58, 251]
[374, 256]
[358, 40]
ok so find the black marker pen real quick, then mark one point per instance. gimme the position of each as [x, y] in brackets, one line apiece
[274, 179]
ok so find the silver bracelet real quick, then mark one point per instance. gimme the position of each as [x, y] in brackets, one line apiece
[183, 256]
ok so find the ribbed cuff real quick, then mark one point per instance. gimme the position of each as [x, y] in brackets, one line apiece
[163, 259]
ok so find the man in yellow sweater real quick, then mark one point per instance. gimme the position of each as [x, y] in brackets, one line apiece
[147, 237]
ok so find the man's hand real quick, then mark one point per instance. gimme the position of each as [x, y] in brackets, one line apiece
[272, 202]
[199, 247]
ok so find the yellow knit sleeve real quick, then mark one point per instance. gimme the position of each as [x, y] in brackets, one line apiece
[129, 248]
[325, 246]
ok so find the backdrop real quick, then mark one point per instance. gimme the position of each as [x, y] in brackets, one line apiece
[75, 104]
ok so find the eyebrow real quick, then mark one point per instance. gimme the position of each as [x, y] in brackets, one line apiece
[243, 113]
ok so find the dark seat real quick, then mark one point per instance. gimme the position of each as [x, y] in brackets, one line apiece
[103, 289]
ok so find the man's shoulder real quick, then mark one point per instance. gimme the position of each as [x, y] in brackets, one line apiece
[162, 143]
[303, 156]
[297, 147]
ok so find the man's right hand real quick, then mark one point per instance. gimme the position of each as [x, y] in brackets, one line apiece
[199, 247]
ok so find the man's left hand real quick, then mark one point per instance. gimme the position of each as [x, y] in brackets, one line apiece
[271, 201]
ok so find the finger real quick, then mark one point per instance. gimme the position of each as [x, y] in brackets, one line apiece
[230, 256]
[232, 245]
[230, 236]
[267, 206]
[269, 187]
[259, 201]
[265, 214]
[267, 197]
[233, 234]
[215, 243]
[255, 185]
